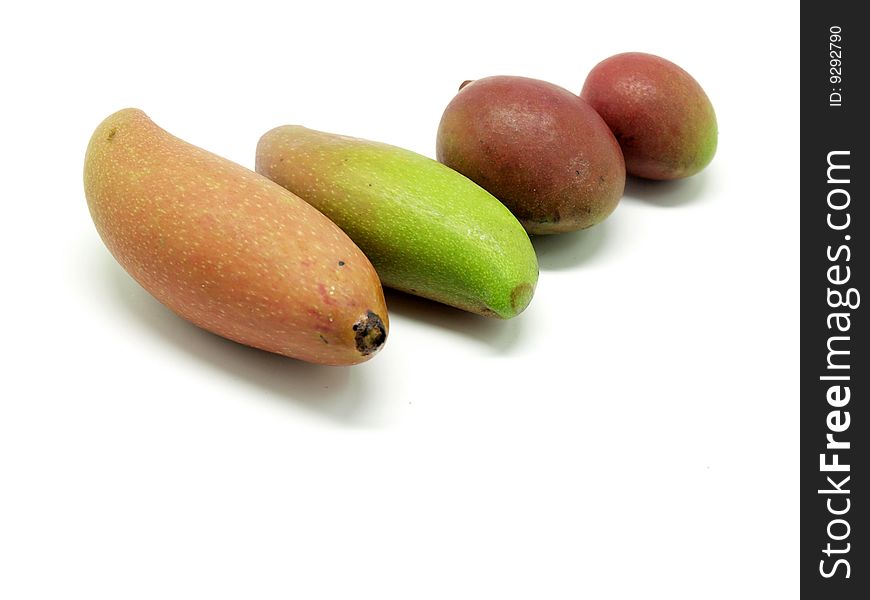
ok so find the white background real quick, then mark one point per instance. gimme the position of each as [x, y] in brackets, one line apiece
[634, 434]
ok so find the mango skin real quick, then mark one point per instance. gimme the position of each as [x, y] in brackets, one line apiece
[662, 118]
[428, 230]
[538, 148]
[229, 250]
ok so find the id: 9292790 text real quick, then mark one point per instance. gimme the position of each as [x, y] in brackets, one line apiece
[835, 64]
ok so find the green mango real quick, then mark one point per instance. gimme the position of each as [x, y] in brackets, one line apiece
[427, 230]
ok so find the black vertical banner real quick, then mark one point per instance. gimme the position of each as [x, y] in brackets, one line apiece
[835, 365]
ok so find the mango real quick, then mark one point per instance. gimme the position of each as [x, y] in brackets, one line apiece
[660, 115]
[428, 230]
[542, 151]
[229, 250]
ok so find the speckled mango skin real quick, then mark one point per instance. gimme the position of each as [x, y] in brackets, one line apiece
[662, 118]
[229, 250]
[538, 148]
[428, 230]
